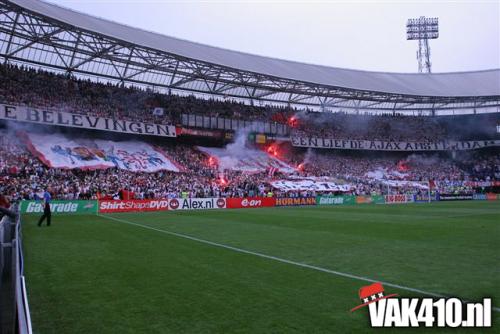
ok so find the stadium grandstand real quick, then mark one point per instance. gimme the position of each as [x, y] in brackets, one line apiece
[97, 112]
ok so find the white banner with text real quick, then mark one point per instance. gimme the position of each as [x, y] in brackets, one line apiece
[378, 145]
[61, 118]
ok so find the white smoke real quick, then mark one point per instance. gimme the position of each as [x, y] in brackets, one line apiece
[421, 159]
[309, 157]
[239, 155]
[236, 151]
[13, 127]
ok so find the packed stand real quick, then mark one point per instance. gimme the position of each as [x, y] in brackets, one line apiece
[395, 127]
[22, 175]
[38, 88]
[42, 89]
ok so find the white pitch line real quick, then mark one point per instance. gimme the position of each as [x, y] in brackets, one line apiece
[299, 264]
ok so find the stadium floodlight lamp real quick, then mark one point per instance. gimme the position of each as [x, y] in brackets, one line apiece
[423, 29]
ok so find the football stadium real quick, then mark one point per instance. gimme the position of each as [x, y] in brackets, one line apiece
[149, 184]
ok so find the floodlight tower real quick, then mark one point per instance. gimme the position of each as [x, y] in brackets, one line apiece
[423, 29]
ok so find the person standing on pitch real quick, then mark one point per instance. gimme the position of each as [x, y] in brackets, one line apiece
[46, 208]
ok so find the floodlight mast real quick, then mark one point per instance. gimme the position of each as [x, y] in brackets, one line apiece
[423, 29]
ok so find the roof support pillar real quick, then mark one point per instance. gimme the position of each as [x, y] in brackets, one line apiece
[7, 51]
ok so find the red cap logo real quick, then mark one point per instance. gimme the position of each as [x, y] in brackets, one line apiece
[370, 294]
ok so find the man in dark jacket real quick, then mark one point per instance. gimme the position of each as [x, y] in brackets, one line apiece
[46, 208]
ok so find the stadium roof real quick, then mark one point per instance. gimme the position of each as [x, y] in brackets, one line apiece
[85, 44]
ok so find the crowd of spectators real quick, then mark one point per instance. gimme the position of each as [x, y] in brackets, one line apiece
[38, 88]
[365, 127]
[370, 173]
[396, 127]
[22, 175]
[485, 168]
[42, 89]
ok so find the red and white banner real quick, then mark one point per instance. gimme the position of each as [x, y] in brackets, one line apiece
[246, 160]
[398, 199]
[250, 202]
[482, 183]
[58, 151]
[310, 185]
[110, 206]
[196, 203]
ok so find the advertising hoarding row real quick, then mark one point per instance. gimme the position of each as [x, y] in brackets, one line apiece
[398, 199]
[58, 207]
[250, 202]
[110, 206]
[196, 203]
[455, 197]
[295, 201]
[336, 200]
[147, 205]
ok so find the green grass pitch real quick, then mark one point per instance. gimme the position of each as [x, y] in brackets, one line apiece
[93, 274]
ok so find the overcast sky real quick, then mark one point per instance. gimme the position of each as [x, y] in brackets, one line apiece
[368, 35]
